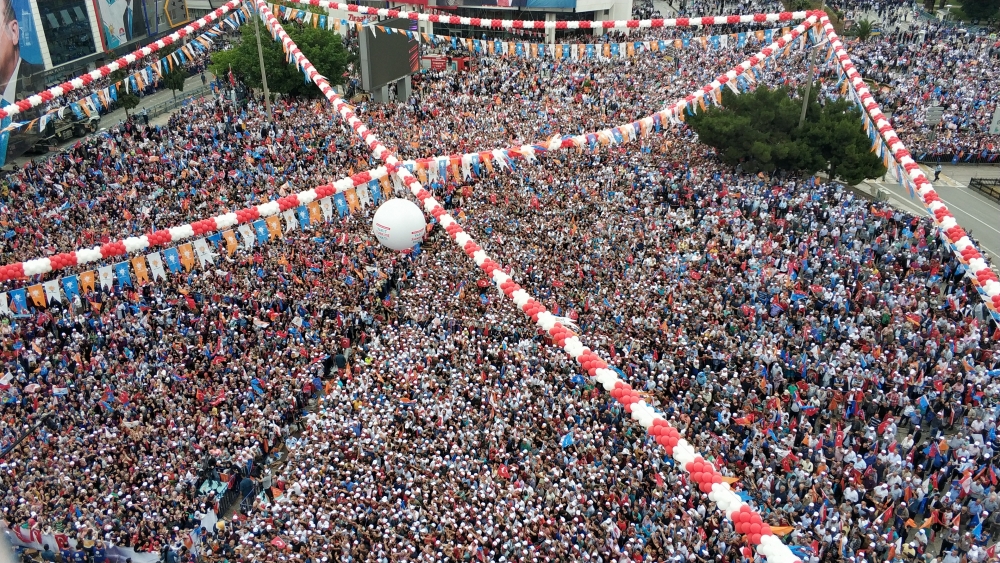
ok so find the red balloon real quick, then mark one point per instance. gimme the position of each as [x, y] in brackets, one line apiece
[755, 539]
[755, 529]
[765, 530]
[716, 478]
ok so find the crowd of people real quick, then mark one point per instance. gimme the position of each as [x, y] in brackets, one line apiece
[825, 352]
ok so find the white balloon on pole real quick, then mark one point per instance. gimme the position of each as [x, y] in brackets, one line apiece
[399, 224]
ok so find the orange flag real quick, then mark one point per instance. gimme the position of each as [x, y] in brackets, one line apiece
[37, 293]
[782, 530]
[231, 243]
[386, 186]
[141, 273]
[274, 226]
[315, 213]
[87, 281]
[186, 253]
[352, 200]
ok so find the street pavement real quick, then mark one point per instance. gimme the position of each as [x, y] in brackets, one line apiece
[109, 120]
[975, 212]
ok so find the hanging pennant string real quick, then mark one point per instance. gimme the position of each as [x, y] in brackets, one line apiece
[150, 268]
[985, 280]
[85, 79]
[540, 24]
[578, 51]
[466, 165]
[747, 521]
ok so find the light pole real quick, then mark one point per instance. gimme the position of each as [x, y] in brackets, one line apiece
[263, 73]
[809, 80]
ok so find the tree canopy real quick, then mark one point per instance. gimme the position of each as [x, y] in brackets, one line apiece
[323, 48]
[175, 80]
[759, 131]
[981, 9]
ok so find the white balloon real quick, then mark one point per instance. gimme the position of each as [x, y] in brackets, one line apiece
[991, 288]
[399, 224]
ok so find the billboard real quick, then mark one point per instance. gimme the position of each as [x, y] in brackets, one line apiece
[387, 55]
[480, 3]
[122, 21]
[21, 66]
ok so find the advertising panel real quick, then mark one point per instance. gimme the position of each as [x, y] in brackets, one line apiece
[388, 55]
[121, 21]
[20, 62]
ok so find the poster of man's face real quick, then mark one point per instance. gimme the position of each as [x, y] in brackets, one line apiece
[20, 60]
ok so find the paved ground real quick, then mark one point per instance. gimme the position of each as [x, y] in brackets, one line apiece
[114, 118]
[665, 8]
[974, 212]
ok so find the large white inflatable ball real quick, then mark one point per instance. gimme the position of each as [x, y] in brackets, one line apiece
[399, 224]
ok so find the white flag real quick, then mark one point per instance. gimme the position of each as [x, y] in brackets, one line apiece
[364, 196]
[204, 252]
[52, 291]
[4, 309]
[291, 220]
[326, 204]
[106, 277]
[156, 266]
[249, 238]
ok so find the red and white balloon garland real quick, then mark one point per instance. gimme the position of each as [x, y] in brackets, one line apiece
[983, 276]
[627, 132]
[541, 24]
[85, 79]
[701, 471]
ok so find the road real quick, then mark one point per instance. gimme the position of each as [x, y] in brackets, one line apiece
[974, 212]
[109, 120]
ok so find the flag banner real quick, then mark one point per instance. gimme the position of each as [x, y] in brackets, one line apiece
[106, 277]
[155, 261]
[52, 292]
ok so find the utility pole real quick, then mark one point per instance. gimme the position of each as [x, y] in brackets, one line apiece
[263, 73]
[809, 80]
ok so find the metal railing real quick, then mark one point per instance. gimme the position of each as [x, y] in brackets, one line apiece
[174, 103]
[988, 187]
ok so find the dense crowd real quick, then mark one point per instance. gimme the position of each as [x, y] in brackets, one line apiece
[824, 352]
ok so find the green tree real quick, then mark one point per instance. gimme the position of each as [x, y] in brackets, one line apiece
[127, 101]
[759, 131]
[325, 50]
[175, 80]
[981, 9]
[863, 30]
[834, 131]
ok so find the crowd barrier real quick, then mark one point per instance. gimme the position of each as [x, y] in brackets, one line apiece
[988, 187]
[960, 158]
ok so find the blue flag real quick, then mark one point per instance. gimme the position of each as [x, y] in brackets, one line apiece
[123, 275]
[341, 203]
[71, 285]
[19, 301]
[567, 440]
[375, 191]
[172, 259]
[260, 229]
[303, 213]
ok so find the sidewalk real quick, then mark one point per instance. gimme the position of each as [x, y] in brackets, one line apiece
[109, 120]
